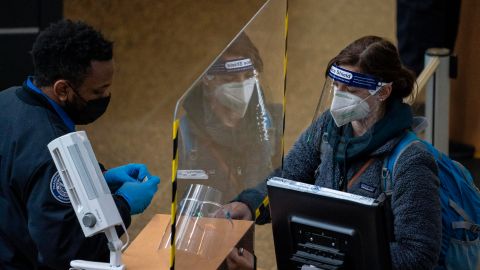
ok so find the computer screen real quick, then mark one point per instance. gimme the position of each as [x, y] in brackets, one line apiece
[321, 228]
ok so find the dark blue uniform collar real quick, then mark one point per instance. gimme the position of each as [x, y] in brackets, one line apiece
[66, 119]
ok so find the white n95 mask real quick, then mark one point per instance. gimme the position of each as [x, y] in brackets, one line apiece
[236, 95]
[347, 107]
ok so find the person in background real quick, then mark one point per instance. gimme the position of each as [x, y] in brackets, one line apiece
[345, 147]
[74, 69]
[422, 25]
[227, 129]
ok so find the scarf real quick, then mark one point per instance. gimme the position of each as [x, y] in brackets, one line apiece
[346, 148]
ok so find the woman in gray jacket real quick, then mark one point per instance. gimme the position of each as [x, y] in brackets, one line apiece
[345, 148]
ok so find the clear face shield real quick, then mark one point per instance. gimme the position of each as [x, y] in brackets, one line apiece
[351, 97]
[229, 86]
[228, 131]
[195, 225]
[229, 125]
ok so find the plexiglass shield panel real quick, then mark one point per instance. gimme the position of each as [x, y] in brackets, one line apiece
[228, 130]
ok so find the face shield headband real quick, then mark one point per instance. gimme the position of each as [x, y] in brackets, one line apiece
[237, 80]
[231, 66]
[355, 79]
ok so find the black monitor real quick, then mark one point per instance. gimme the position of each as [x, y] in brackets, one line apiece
[321, 228]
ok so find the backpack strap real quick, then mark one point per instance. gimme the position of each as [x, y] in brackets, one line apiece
[390, 161]
[468, 224]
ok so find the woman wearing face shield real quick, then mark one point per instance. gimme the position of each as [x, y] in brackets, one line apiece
[362, 117]
[226, 129]
[227, 133]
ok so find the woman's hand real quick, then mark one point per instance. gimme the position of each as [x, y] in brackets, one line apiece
[240, 259]
[235, 210]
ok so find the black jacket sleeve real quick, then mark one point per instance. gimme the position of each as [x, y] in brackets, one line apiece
[54, 227]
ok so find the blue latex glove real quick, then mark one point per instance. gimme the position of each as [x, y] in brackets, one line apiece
[116, 177]
[139, 195]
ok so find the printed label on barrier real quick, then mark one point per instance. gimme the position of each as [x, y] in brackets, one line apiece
[192, 174]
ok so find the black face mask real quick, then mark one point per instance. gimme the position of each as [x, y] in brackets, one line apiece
[85, 112]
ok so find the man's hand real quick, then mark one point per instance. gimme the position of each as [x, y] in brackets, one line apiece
[235, 210]
[116, 177]
[240, 259]
[139, 194]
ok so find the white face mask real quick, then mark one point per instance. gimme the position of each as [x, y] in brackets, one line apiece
[236, 95]
[347, 107]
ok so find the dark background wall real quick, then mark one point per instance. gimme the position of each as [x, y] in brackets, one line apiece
[465, 120]
[20, 22]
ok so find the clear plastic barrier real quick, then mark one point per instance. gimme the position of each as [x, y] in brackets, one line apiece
[231, 118]
[230, 127]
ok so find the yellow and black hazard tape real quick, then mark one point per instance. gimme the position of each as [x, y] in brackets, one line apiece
[173, 219]
[264, 206]
[285, 62]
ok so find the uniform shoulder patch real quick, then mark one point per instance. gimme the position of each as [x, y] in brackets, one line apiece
[58, 189]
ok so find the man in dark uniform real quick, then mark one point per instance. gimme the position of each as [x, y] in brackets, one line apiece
[38, 226]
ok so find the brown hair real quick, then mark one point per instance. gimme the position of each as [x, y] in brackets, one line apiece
[378, 57]
[243, 46]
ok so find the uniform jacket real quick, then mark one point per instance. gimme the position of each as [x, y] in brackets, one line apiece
[38, 226]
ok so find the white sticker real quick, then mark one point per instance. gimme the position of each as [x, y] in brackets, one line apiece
[341, 73]
[238, 63]
[58, 189]
[192, 174]
[303, 187]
